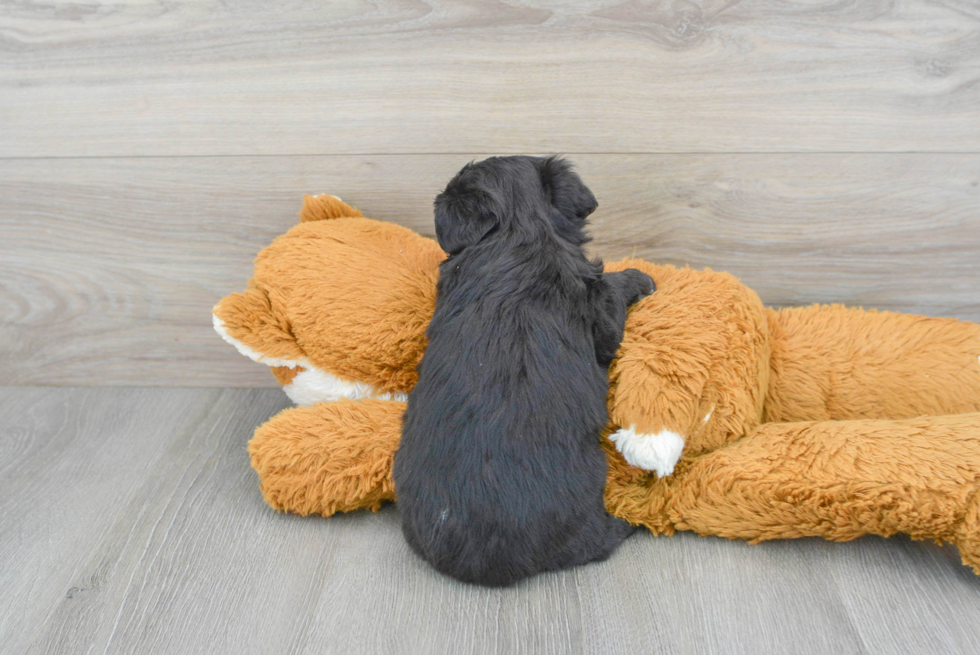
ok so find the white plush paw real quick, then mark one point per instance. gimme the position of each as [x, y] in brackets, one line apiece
[657, 452]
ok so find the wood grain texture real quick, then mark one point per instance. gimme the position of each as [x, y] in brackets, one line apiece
[87, 477]
[131, 522]
[109, 267]
[303, 77]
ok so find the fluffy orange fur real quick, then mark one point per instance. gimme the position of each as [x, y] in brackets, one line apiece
[816, 421]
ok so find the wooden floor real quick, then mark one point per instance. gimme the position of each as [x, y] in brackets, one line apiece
[130, 522]
[821, 151]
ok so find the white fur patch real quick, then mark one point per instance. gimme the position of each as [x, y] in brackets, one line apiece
[311, 385]
[653, 452]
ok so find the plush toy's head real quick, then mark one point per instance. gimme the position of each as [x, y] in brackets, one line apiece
[338, 305]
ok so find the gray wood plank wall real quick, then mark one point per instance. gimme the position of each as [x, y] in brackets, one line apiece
[822, 152]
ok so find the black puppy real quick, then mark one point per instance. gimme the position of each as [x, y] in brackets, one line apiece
[499, 474]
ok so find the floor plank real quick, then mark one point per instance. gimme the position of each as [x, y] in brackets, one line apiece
[131, 522]
[110, 266]
[74, 480]
[920, 586]
[192, 78]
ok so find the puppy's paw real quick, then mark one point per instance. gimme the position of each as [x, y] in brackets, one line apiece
[657, 452]
[640, 285]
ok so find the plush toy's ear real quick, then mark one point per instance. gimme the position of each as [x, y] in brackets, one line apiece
[569, 195]
[463, 217]
[257, 327]
[325, 206]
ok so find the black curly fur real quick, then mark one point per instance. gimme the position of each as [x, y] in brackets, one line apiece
[499, 474]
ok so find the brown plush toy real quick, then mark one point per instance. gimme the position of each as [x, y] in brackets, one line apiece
[727, 418]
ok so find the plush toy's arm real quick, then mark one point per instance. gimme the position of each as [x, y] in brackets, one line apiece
[331, 457]
[692, 370]
[839, 480]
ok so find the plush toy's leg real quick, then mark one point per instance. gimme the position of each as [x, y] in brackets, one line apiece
[331, 457]
[968, 535]
[840, 480]
[692, 370]
[830, 362]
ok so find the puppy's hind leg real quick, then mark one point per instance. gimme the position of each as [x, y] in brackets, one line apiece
[596, 543]
[617, 531]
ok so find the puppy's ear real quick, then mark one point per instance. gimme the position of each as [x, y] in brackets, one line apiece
[463, 218]
[569, 195]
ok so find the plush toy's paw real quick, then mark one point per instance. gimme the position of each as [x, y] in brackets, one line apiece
[657, 452]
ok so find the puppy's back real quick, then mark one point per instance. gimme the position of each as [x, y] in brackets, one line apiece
[499, 475]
